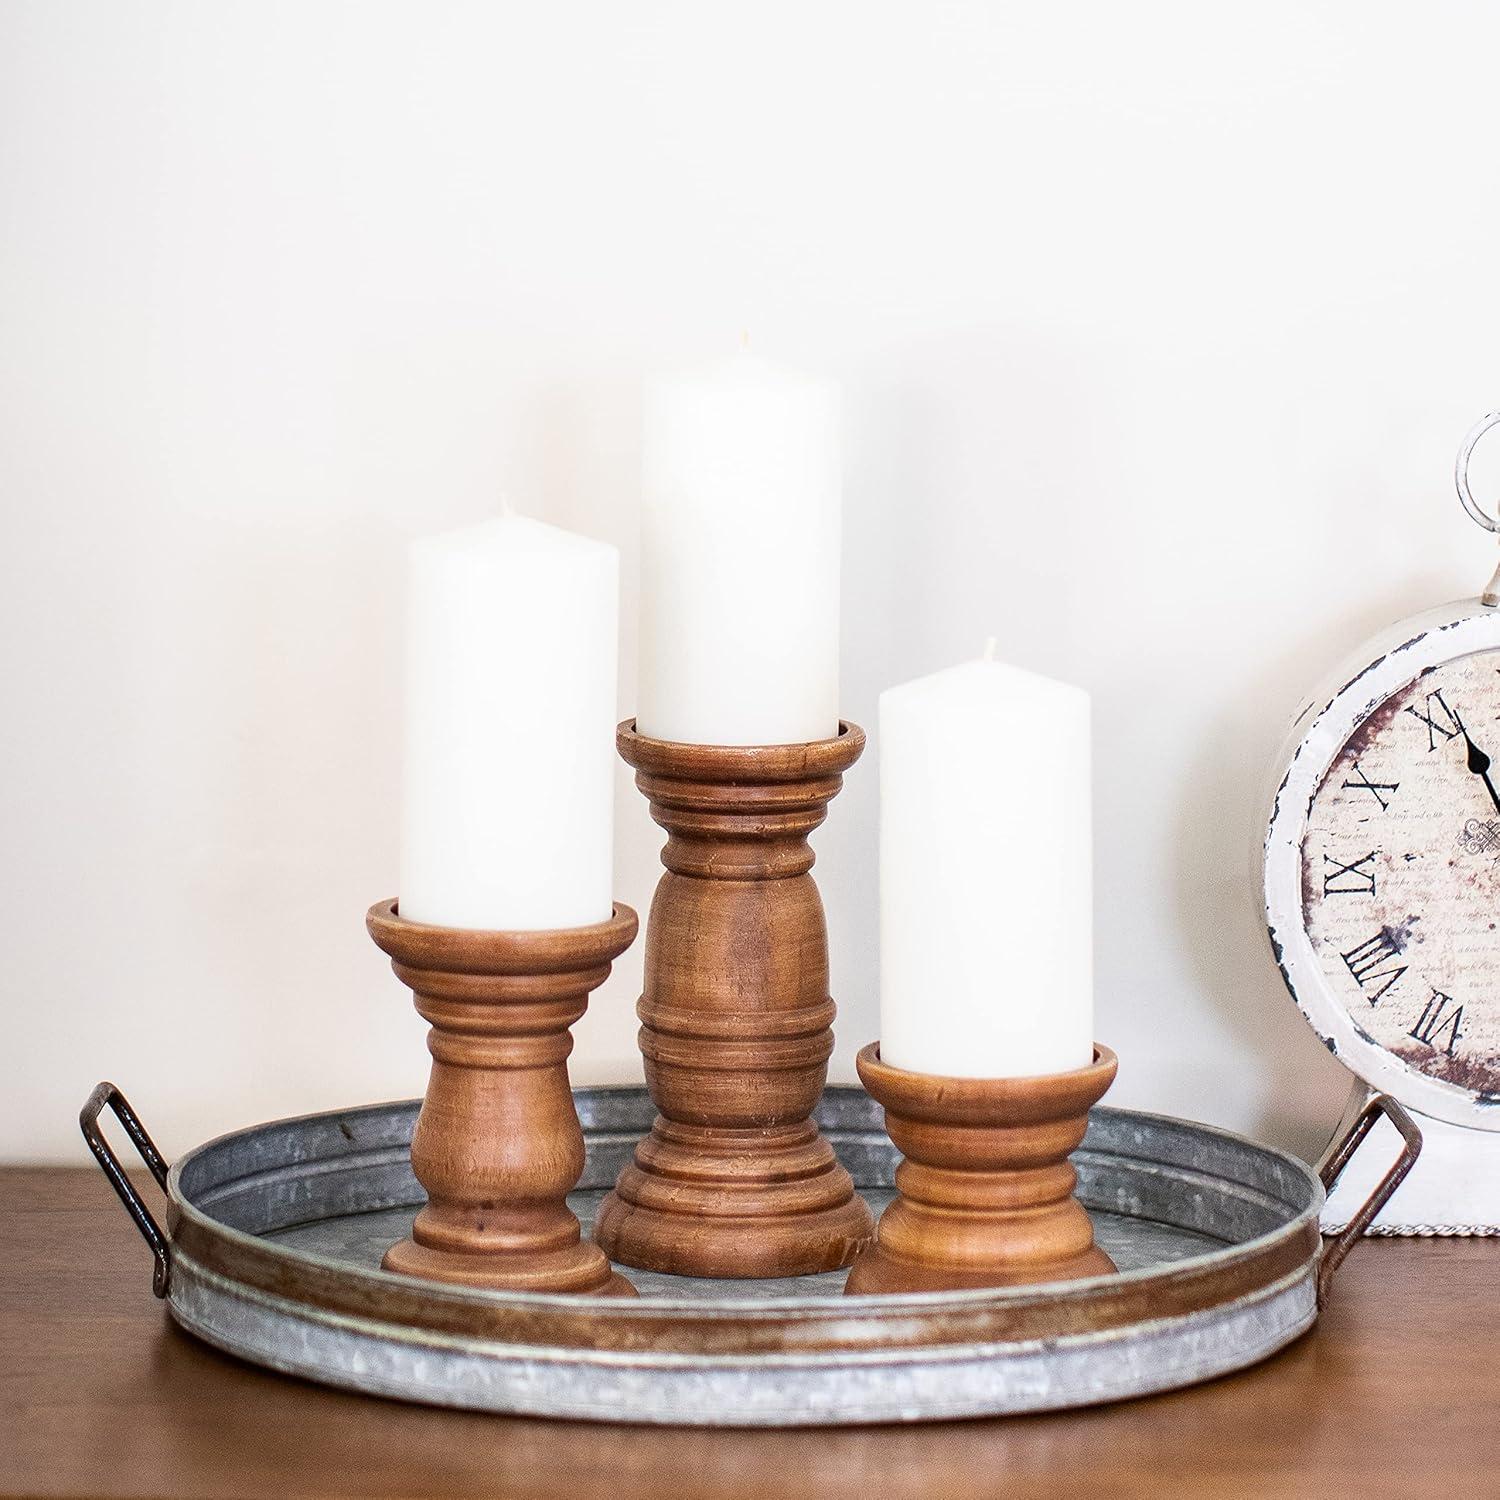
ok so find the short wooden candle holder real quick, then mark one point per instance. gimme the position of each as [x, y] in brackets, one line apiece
[735, 1180]
[985, 1194]
[497, 1144]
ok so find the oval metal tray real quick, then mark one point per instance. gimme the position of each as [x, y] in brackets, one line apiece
[275, 1236]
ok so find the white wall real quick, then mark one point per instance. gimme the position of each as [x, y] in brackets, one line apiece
[1159, 326]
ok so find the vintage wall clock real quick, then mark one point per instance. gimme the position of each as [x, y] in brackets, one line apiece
[1381, 879]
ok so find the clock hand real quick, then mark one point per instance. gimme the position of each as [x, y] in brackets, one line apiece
[1479, 764]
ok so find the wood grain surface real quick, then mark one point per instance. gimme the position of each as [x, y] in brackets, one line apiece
[497, 1145]
[984, 1191]
[736, 1020]
[1391, 1395]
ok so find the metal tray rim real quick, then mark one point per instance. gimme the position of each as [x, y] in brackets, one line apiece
[732, 1307]
[674, 1360]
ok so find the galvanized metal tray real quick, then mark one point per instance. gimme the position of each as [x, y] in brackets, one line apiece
[274, 1238]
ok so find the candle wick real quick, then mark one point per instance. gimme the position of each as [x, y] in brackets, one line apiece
[990, 642]
[507, 510]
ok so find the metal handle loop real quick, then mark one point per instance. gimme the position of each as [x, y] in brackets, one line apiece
[1333, 1167]
[106, 1094]
[1461, 472]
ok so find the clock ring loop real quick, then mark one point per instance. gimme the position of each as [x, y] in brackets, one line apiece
[1461, 472]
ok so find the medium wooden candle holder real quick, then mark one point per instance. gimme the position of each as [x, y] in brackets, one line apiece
[735, 1179]
[985, 1194]
[497, 1144]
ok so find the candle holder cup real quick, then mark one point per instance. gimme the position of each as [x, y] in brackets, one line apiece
[735, 1180]
[497, 1144]
[984, 1196]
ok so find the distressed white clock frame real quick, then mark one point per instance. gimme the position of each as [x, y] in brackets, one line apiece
[1455, 1186]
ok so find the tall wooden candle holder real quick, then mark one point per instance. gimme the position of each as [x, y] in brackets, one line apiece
[497, 1144]
[735, 1179]
[985, 1193]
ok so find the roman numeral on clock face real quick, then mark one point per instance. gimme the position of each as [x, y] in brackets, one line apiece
[1376, 789]
[1439, 1025]
[1355, 879]
[1372, 966]
[1439, 719]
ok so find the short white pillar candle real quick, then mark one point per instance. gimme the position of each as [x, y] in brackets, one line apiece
[986, 920]
[508, 804]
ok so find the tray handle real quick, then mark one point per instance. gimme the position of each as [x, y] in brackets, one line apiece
[1339, 1158]
[106, 1095]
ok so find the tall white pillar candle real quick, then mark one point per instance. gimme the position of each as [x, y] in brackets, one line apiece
[740, 557]
[986, 942]
[510, 712]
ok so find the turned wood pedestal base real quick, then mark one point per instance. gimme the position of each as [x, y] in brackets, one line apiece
[985, 1193]
[497, 1144]
[735, 1179]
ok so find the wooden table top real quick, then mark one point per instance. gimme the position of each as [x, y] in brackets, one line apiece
[1392, 1394]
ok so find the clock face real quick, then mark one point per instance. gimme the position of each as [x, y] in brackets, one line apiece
[1400, 874]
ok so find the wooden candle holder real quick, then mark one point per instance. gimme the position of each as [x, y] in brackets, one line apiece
[735, 1179]
[497, 1144]
[985, 1194]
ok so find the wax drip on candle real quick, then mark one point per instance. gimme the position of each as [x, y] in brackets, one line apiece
[990, 643]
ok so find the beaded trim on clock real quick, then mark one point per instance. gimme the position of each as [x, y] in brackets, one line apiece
[1423, 1231]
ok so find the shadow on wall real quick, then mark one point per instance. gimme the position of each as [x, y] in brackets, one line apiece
[580, 469]
[1220, 825]
[887, 637]
[959, 523]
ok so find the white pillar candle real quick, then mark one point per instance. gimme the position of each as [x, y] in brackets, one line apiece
[510, 712]
[740, 557]
[986, 949]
